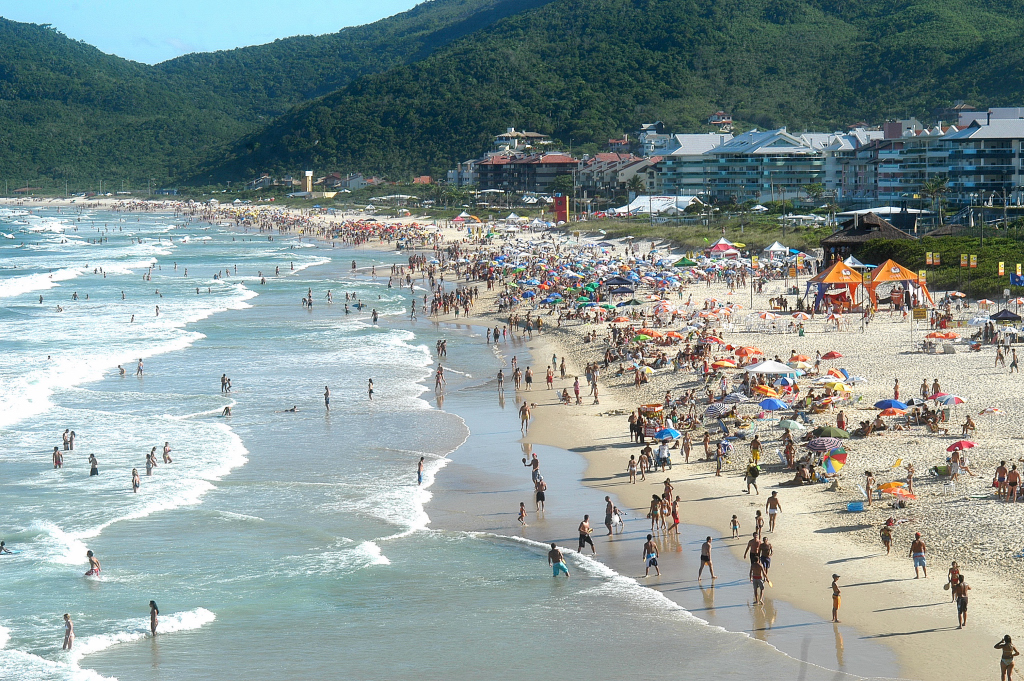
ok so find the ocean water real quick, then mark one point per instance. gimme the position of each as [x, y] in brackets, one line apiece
[292, 544]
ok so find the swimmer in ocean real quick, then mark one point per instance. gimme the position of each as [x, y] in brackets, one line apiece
[226, 412]
[293, 409]
[94, 565]
[369, 388]
[3, 548]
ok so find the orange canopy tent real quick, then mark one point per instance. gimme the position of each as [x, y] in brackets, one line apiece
[891, 272]
[838, 276]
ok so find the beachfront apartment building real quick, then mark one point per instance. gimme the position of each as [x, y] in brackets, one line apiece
[683, 171]
[524, 173]
[608, 173]
[764, 165]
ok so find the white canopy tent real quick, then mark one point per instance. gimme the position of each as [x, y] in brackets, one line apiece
[770, 366]
[670, 205]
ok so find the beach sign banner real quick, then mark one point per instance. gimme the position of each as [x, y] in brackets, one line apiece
[974, 260]
[866, 278]
[928, 258]
[963, 260]
[792, 272]
[920, 314]
[1000, 269]
[922, 276]
[936, 260]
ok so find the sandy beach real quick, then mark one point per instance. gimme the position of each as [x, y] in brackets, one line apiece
[816, 536]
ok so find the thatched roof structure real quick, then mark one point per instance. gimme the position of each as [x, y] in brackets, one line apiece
[863, 228]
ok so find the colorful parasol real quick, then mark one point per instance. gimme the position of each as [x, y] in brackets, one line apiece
[833, 462]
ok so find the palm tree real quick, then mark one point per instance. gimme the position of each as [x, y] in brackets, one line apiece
[934, 188]
[636, 185]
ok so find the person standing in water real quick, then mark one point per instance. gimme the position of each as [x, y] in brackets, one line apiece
[419, 471]
[154, 613]
[705, 559]
[139, 367]
[94, 565]
[69, 633]
[327, 398]
[58, 458]
[136, 482]
[369, 388]
[836, 598]
[94, 466]
[557, 562]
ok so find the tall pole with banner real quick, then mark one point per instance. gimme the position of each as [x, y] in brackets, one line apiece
[865, 301]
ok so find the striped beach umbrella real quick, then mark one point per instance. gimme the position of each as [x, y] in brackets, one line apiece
[824, 444]
[834, 461]
[715, 410]
[735, 398]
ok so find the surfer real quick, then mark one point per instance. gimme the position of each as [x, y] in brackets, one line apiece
[3, 548]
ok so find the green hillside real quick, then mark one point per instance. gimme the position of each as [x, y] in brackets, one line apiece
[588, 69]
[71, 112]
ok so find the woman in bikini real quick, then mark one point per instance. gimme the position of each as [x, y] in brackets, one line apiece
[1005, 662]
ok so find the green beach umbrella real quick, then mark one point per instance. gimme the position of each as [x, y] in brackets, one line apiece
[831, 431]
[583, 299]
[607, 306]
[684, 262]
[641, 337]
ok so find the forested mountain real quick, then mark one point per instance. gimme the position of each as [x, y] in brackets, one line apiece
[418, 91]
[588, 69]
[69, 111]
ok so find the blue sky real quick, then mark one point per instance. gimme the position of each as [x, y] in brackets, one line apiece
[152, 32]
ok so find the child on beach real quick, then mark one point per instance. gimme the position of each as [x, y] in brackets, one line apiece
[735, 525]
[522, 514]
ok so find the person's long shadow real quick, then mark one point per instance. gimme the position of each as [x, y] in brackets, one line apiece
[911, 633]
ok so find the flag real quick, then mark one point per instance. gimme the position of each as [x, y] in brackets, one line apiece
[936, 260]
[928, 258]
[963, 258]
[1016, 280]
[1000, 269]
[974, 261]
[922, 276]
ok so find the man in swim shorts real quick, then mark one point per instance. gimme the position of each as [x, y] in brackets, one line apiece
[94, 565]
[651, 556]
[774, 508]
[557, 561]
[960, 590]
[705, 559]
[585, 539]
[917, 552]
[757, 579]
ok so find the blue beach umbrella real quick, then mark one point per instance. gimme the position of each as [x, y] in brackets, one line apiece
[666, 434]
[773, 404]
[529, 294]
[890, 404]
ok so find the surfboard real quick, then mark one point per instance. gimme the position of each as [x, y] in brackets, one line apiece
[11, 552]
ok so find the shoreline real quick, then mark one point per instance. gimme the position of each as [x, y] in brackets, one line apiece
[903, 616]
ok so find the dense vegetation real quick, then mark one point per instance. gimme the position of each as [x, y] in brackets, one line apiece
[589, 69]
[984, 280]
[71, 112]
[419, 91]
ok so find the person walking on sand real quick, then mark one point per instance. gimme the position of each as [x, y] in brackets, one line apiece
[918, 552]
[755, 451]
[734, 524]
[585, 529]
[896, 389]
[836, 598]
[960, 590]
[757, 577]
[609, 511]
[154, 614]
[705, 559]
[774, 508]
[869, 484]
[1014, 368]
[524, 418]
[522, 513]
[1005, 662]
[540, 488]
[69, 633]
[651, 556]
[557, 561]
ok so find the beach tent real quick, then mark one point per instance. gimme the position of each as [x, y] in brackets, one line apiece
[829, 281]
[1005, 316]
[723, 248]
[776, 250]
[857, 264]
[770, 366]
[890, 274]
